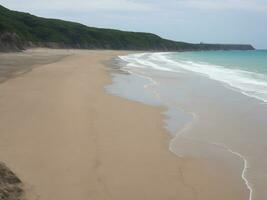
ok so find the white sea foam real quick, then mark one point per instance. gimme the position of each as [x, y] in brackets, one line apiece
[248, 83]
[245, 165]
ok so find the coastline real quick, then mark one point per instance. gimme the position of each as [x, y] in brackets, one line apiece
[77, 142]
[231, 160]
[226, 125]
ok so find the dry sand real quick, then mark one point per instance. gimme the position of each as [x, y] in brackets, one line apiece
[66, 139]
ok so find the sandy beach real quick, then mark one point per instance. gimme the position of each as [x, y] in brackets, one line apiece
[65, 138]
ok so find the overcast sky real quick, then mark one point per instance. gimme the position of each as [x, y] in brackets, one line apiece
[214, 21]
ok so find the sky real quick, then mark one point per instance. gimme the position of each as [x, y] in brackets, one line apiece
[208, 21]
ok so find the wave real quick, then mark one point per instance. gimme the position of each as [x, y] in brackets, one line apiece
[248, 83]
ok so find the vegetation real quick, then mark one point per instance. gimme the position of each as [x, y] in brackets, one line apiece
[30, 30]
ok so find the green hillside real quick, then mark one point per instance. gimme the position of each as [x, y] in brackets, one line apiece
[20, 30]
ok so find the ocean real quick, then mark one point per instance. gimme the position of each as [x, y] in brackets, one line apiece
[216, 101]
[245, 71]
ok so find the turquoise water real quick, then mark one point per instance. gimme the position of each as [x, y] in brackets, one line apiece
[245, 71]
[253, 61]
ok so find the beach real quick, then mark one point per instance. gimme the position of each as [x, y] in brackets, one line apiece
[66, 138]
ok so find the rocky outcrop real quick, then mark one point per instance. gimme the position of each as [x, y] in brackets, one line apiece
[10, 42]
[10, 184]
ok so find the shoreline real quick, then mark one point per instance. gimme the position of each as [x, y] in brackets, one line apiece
[188, 125]
[245, 166]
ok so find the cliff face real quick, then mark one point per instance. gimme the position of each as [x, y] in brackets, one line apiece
[20, 30]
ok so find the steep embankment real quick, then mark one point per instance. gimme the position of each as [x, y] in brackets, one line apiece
[20, 30]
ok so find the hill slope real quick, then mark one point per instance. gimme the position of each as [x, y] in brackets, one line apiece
[20, 30]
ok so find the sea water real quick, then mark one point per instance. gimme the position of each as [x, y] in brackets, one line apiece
[215, 98]
[244, 70]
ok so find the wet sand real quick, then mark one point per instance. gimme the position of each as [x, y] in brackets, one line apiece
[14, 64]
[65, 138]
